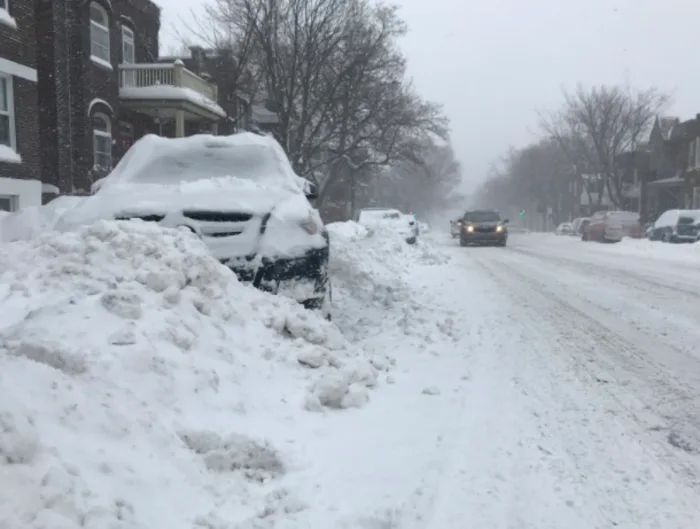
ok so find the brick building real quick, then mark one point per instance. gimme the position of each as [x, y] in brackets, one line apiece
[20, 169]
[101, 87]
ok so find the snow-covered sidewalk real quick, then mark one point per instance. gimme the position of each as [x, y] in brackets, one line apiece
[141, 386]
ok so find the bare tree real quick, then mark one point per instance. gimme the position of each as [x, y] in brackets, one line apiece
[424, 185]
[596, 125]
[332, 71]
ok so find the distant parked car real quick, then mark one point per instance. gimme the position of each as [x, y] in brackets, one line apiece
[577, 226]
[404, 225]
[455, 227]
[676, 225]
[612, 226]
[565, 228]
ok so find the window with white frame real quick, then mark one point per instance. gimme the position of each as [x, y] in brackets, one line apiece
[99, 33]
[697, 152]
[102, 142]
[128, 55]
[7, 112]
[3, 4]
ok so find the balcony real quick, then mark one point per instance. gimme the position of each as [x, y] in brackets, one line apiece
[168, 91]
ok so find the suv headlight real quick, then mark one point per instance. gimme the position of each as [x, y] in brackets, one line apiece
[499, 228]
[470, 228]
[309, 225]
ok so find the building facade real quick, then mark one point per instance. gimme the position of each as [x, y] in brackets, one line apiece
[101, 88]
[20, 165]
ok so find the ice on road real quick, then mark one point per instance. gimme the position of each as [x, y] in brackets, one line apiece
[578, 401]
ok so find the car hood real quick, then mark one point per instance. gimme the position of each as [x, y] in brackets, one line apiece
[226, 194]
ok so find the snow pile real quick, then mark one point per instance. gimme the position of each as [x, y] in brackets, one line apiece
[30, 222]
[131, 361]
[372, 290]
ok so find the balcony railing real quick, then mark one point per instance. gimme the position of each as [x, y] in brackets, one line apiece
[156, 75]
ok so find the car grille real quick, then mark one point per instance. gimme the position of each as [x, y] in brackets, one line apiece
[485, 229]
[145, 218]
[217, 216]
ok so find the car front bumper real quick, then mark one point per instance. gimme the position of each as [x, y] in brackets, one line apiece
[483, 237]
[303, 279]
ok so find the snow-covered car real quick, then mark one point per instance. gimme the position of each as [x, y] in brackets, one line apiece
[565, 228]
[238, 193]
[612, 226]
[404, 225]
[676, 225]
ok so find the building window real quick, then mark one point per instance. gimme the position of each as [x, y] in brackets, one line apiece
[128, 56]
[9, 203]
[99, 33]
[102, 142]
[7, 112]
[3, 4]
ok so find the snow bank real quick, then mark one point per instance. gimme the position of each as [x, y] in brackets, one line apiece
[142, 386]
[636, 248]
[30, 222]
[371, 284]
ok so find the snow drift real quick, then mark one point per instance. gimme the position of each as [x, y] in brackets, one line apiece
[142, 386]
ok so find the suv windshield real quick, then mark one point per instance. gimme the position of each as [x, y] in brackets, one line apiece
[481, 216]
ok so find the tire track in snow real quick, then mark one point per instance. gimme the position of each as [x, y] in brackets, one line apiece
[632, 279]
[651, 397]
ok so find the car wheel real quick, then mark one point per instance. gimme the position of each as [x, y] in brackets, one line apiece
[462, 242]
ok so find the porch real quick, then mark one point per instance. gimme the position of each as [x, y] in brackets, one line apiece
[170, 94]
[665, 194]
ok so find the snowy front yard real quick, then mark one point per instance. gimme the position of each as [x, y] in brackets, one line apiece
[143, 387]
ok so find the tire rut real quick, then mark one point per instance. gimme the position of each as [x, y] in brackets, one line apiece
[662, 407]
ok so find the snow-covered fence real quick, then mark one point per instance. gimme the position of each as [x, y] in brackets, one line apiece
[163, 74]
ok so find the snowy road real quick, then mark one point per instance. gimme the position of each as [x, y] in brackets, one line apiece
[580, 407]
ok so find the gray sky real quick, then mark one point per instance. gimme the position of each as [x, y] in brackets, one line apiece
[494, 63]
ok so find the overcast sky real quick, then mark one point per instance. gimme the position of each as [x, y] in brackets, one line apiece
[493, 63]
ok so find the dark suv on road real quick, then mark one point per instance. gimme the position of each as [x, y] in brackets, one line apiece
[483, 227]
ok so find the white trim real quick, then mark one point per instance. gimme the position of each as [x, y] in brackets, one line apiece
[98, 101]
[18, 70]
[101, 62]
[5, 18]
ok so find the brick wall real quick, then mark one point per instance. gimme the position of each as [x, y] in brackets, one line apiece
[73, 87]
[19, 46]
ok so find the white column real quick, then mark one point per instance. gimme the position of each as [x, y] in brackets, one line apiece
[180, 124]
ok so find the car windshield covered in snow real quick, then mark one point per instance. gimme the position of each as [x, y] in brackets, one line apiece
[157, 161]
[482, 216]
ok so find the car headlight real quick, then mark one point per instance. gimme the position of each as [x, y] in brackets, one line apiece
[499, 228]
[470, 228]
[309, 225]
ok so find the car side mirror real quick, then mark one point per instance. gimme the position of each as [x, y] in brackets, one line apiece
[312, 192]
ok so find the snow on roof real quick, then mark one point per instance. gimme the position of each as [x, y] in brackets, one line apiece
[171, 93]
